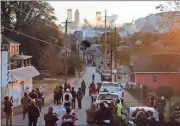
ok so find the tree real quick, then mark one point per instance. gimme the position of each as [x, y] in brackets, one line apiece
[33, 18]
[123, 57]
[75, 64]
[49, 60]
[170, 15]
[111, 37]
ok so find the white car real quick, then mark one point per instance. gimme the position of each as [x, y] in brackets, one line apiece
[106, 96]
[112, 87]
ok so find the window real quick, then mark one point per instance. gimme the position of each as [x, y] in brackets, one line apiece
[155, 77]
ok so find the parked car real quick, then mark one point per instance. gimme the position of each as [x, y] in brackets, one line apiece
[127, 114]
[112, 87]
[106, 96]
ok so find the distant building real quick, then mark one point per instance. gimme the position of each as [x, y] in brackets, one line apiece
[98, 18]
[77, 16]
[69, 15]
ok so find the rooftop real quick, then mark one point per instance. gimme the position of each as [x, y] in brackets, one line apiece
[6, 40]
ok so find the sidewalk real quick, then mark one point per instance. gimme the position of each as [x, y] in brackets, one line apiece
[48, 100]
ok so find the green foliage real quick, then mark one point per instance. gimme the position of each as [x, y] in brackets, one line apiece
[165, 91]
[34, 18]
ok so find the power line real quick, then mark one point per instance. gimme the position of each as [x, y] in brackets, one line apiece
[38, 39]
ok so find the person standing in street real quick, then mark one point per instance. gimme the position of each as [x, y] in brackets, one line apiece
[60, 111]
[93, 77]
[161, 108]
[60, 93]
[67, 96]
[68, 119]
[51, 117]
[33, 94]
[41, 89]
[25, 101]
[119, 107]
[73, 92]
[8, 109]
[91, 114]
[39, 99]
[33, 113]
[79, 98]
[56, 92]
[83, 87]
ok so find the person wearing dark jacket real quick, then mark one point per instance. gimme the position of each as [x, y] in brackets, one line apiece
[151, 121]
[25, 101]
[51, 117]
[33, 95]
[91, 114]
[8, 109]
[73, 92]
[33, 113]
[104, 116]
[83, 87]
[79, 97]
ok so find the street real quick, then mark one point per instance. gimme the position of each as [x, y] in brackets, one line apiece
[86, 102]
[17, 120]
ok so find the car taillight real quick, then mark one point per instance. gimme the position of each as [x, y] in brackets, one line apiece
[122, 94]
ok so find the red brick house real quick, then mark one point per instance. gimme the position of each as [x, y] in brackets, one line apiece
[156, 70]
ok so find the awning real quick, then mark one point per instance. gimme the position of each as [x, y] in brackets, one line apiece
[22, 73]
[20, 57]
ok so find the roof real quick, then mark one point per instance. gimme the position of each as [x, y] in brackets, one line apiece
[23, 73]
[6, 40]
[20, 57]
[155, 62]
[125, 69]
[148, 27]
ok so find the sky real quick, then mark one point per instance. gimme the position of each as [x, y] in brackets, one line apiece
[126, 10]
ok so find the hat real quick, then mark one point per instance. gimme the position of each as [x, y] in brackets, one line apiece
[67, 89]
[33, 101]
[51, 109]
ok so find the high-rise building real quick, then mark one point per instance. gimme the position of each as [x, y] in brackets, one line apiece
[98, 18]
[76, 16]
[69, 15]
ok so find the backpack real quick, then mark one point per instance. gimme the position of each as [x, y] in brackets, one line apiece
[67, 97]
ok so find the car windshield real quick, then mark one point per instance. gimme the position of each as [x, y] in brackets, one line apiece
[110, 85]
[108, 97]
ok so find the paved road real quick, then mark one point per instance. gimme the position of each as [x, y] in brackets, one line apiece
[17, 120]
[129, 100]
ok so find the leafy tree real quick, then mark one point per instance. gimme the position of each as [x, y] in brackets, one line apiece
[111, 38]
[49, 60]
[123, 57]
[33, 18]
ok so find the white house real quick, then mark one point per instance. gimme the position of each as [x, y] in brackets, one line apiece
[17, 70]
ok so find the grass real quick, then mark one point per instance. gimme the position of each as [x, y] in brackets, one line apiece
[49, 85]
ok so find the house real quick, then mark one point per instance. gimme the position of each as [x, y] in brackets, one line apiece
[18, 68]
[123, 73]
[156, 70]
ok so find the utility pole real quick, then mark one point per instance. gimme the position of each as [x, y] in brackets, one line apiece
[105, 41]
[111, 60]
[115, 54]
[66, 47]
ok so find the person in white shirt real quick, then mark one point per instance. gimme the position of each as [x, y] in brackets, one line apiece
[67, 96]
[41, 89]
